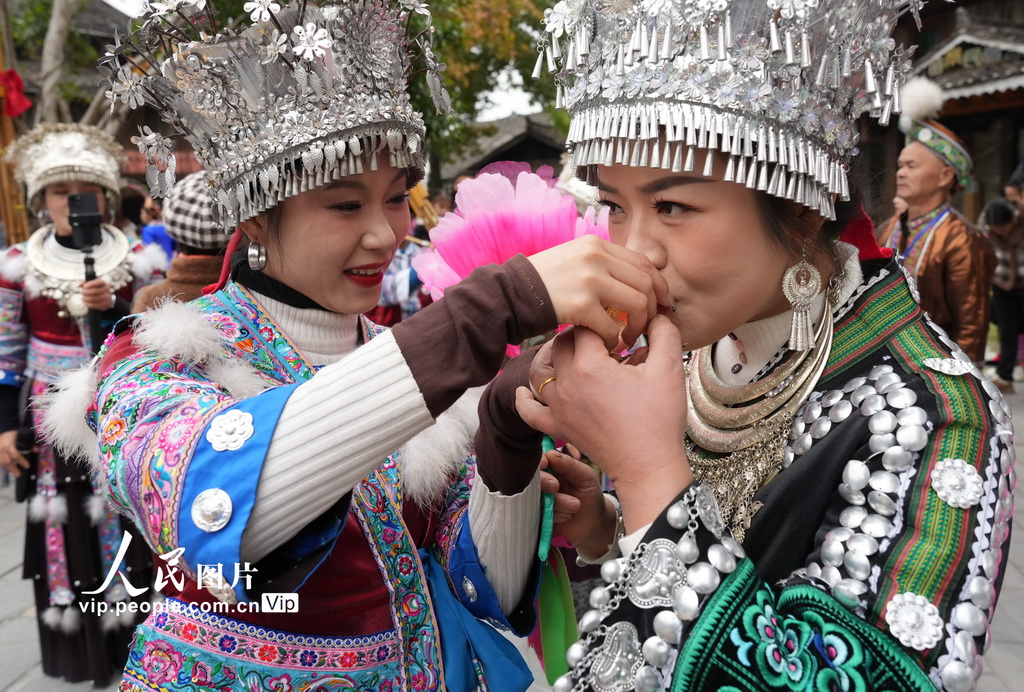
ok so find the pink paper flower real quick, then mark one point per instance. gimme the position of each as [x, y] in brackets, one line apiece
[501, 214]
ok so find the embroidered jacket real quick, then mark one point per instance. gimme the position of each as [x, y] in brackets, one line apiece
[374, 576]
[874, 560]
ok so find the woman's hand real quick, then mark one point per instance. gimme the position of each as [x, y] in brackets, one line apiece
[586, 276]
[542, 370]
[629, 418]
[96, 295]
[583, 515]
[10, 458]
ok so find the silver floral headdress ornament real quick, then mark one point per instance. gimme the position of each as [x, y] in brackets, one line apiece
[774, 86]
[306, 94]
[64, 152]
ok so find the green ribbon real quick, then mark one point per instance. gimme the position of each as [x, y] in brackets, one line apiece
[547, 519]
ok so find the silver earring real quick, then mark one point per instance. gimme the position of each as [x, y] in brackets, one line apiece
[800, 284]
[257, 256]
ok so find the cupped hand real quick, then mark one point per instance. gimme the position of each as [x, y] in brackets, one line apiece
[583, 515]
[629, 418]
[10, 458]
[588, 275]
[97, 295]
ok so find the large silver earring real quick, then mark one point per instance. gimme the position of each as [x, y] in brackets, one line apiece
[800, 284]
[257, 256]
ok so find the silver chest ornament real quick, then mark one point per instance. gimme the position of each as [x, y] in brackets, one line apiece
[58, 272]
[653, 580]
[618, 661]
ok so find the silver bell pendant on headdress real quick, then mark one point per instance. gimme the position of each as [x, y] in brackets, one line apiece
[800, 284]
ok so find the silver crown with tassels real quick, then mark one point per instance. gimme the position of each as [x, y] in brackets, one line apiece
[307, 93]
[774, 86]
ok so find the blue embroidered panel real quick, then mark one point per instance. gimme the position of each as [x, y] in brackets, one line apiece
[243, 431]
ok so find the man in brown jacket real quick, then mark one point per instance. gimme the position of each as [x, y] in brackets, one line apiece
[200, 243]
[945, 254]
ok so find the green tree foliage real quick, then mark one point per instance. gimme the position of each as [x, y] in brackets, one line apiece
[477, 40]
[30, 19]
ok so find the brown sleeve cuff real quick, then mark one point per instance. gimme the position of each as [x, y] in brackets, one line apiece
[459, 341]
[507, 449]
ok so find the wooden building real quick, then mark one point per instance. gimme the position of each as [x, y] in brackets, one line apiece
[975, 53]
[530, 138]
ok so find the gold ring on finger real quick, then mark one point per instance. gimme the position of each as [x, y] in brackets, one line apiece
[543, 384]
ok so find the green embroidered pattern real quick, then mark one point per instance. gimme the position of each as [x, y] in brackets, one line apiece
[885, 309]
[747, 639]
[952, 153]
[929, 557]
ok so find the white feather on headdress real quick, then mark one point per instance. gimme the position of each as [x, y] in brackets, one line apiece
[922, 99]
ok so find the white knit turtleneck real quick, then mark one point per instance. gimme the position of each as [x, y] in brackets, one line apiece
[323, 337]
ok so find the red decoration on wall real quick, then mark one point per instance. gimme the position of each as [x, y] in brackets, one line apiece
[15, 102]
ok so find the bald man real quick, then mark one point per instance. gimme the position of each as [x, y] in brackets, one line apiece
[947, 256]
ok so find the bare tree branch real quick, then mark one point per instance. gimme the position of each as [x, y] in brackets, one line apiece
[98, 108]
[48, 108]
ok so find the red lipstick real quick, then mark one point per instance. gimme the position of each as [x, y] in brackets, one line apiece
[368, 275]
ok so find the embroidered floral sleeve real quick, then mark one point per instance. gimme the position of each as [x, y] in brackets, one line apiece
[13, 327]
[899, 588]
[163, 427]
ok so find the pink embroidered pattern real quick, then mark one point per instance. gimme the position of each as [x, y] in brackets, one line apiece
[250, 643]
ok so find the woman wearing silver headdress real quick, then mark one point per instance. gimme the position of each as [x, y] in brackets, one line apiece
[821, 498]
[269, 442]
[71, 536]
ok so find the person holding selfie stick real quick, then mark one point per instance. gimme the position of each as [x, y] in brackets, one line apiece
[47, 306]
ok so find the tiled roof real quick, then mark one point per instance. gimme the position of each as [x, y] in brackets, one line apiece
[500, 135]
[99, 19]
[961, 82]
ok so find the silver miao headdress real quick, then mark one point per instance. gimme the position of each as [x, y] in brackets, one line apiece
[773, 86]
[308, 93]
[64, 152]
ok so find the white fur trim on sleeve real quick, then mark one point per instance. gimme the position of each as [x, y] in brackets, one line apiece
[64, 410]
[178, 330]
[429, 460]
[33, 285]
[12, 266]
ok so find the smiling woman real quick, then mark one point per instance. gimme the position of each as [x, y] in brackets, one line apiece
[333, 244]
[269, 429]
